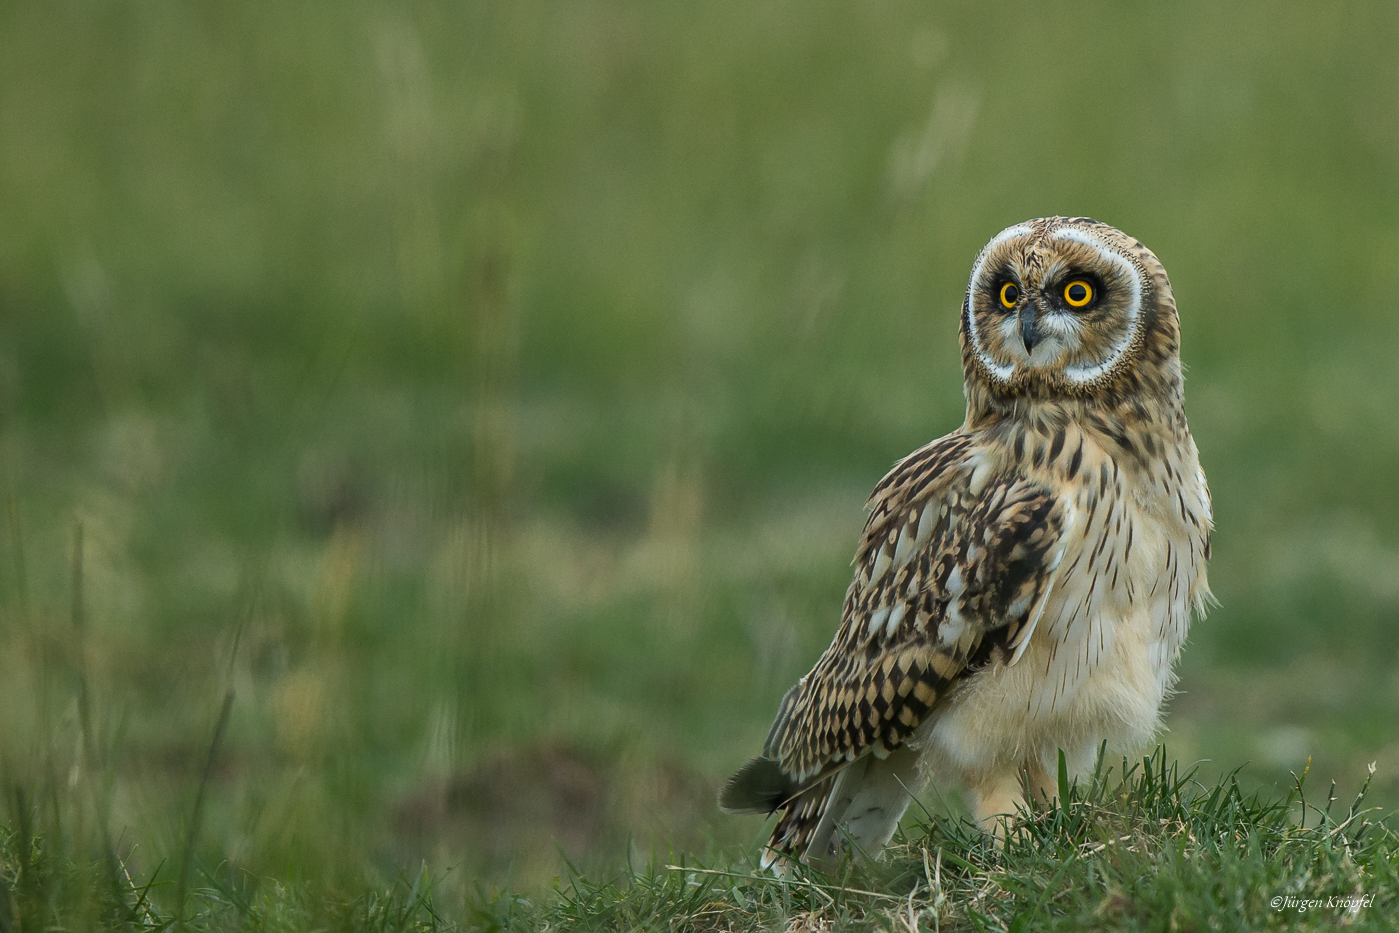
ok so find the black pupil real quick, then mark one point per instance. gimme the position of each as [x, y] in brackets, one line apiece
[1077, 292]
[1011, 293]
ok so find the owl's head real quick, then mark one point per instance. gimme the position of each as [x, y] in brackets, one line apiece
[1068, 307]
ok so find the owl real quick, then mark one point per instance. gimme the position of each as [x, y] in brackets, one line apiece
[1023, 585]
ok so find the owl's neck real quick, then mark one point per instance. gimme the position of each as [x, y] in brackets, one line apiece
[1132, 419]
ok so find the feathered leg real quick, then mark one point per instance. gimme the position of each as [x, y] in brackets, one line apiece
[1041, 784]
[996, 799]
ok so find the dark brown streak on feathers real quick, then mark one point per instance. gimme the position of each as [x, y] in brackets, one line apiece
[1076, 460]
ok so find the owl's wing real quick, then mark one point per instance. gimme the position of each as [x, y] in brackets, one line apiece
[954, 564]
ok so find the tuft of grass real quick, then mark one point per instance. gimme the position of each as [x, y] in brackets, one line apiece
[1140, 847]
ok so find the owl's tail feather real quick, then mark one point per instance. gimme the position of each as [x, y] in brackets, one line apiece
[758, 787]
[798, 824]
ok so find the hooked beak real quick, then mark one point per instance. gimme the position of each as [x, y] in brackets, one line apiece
[1029, 327]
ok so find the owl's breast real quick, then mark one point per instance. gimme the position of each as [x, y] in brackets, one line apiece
[1098, 664]
[1132, 569]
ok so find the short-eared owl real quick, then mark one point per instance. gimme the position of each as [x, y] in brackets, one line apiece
[1024, 584]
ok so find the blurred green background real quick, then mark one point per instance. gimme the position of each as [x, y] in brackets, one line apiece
[487, 393]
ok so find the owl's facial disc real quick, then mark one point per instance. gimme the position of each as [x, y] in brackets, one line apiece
[1053, 303]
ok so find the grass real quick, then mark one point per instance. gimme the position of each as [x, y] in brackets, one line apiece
[1140, 847]
[484, 395]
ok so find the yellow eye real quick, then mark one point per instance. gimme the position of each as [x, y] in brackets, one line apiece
[1078, 293]
[1010, 294]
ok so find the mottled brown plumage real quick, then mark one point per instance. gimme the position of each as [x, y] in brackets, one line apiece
[1024, 584]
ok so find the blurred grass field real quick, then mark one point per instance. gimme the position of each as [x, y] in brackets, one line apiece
[487, 393]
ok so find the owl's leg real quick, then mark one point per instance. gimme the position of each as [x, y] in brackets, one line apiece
[996, 800]
[1041, 786]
